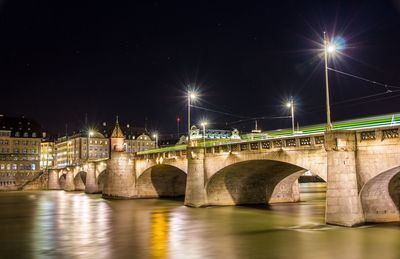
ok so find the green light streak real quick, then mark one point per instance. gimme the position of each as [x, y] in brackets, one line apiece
[362, 123]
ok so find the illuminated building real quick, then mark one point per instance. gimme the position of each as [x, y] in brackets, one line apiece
[78, 148]
[19, 151]
[135, 139]
[47, 152]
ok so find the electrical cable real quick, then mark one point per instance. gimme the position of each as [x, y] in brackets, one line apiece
[365, 79]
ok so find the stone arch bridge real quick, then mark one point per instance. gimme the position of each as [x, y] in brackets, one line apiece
[361, 168]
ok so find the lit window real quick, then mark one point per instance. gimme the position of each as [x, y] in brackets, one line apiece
[25, 134]
[17, 134]
[33, 167]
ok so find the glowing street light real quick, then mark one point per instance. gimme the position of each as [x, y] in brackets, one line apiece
[329, 48]
[203, 124]
[290, 104]
[156, 137]
[191, 96]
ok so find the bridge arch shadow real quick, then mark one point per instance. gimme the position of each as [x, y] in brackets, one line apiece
[380, 197]
[255, 182]
[62, 180]
[161, 181]
[100, 180]
[80, 181]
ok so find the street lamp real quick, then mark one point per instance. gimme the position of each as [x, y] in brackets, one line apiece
[156, 137]
[328, 48]
[290, 104]
[203, 124]
[191, 95]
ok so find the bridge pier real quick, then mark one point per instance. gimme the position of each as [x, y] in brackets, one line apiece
[69, 181]
[91, 181]
[343, 205]
[54, 180]
[121, 177]
[195, 184]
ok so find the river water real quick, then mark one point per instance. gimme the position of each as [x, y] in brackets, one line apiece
[57, 224]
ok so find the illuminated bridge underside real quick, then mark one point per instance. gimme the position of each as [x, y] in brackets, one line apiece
[253, 182]
[161, 181]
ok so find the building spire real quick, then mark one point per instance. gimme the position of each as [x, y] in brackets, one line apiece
[117, 138]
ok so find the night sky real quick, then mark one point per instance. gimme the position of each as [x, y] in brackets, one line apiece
[62, 59]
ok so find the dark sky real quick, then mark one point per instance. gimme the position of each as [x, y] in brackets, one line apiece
[62, 59]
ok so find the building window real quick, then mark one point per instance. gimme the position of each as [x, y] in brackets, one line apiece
[21, 166]
[14, 166]
[25, 134]
[16, 150]
[16, 142]
[25, 142]
[33, 143]
[2, 166]
[17, 134]
[34, 135]
[33, 167]
[8, 167]
[91, 148]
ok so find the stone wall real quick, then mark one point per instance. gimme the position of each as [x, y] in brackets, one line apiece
[38, 183]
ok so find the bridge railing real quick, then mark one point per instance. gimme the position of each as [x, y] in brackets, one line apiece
[229, 146]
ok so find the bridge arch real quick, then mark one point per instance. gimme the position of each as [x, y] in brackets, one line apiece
[380, 197]
[101, 178]
[257, 181]
[62, 179]
[161, 181]
[80, 180]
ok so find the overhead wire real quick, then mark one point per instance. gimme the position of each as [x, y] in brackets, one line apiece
[364, 79]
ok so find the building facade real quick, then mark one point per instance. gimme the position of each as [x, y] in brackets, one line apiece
[19, 151]
[81, 147]
[135, 139]
[47, 152]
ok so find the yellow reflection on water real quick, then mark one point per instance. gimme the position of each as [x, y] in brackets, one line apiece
[159, 233]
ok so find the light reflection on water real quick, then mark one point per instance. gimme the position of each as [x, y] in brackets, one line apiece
[56, 224]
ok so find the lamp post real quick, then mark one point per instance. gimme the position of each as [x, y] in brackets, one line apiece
[203, 124]
[331, 49]
[290, 105]
[177, 121]
[191, 95]
[156, 137]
